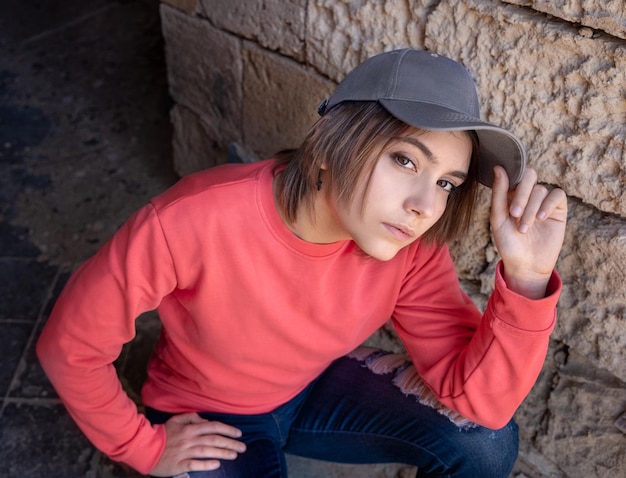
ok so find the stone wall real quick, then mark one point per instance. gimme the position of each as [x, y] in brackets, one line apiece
[553, 71]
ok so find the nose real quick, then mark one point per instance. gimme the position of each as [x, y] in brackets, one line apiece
[422, 201]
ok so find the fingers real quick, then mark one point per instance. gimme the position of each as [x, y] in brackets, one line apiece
[499, 197]
[204, 426]
[206, 442]
[554, 206]
[195, 444]
[186, 418]
[212, 439]
[528, 202]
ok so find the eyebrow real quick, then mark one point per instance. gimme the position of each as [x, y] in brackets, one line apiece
[430, 156]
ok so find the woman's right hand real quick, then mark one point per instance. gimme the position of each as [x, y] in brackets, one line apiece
[196, 444]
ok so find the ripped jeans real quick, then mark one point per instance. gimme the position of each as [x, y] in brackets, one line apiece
[356, 412]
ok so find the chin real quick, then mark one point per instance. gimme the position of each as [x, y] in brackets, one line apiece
[381, 254]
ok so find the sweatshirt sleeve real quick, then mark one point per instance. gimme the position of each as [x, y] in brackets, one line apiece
[479, 365]
[92, 319]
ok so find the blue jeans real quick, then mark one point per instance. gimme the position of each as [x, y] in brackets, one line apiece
[353, 415]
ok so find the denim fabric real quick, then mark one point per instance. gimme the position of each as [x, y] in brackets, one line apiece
[352, 415]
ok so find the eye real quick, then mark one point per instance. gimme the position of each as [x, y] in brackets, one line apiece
[404, 162]
[447, 186]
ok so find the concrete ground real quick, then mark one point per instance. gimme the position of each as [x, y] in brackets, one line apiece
[84, 141]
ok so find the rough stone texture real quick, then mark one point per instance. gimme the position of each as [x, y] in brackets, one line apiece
[572, 410]
[273, 24]
[607, 15]
[555, 80]
[576, 139]
[566, 100]
[593, 303]
[280, 101]
[344, 33]
[187, 6]
[197, 143]
[204, 74]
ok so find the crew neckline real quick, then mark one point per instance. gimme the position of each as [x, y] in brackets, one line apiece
[269, 211]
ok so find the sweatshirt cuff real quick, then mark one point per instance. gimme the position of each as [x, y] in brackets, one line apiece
[145, 457]
[524, 314]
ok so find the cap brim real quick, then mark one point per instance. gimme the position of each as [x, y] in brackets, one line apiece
[497, 146]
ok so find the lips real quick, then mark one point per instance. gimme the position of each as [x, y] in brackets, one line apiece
[400, 232]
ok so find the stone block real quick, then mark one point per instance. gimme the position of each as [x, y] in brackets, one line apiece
[573, 407]
[280, 101]
[592, 308]
[204, 69]
[197, 143]
[274, 24]
[341, 34]
[187, 6]
[607, 15]
[561, 92]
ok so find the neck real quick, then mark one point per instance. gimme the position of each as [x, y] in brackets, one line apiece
[315, 222]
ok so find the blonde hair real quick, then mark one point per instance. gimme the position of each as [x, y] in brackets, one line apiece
[343, 141]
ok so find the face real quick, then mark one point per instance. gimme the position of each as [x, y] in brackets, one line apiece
[408, 191]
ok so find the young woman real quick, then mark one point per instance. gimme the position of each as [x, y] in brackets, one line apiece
[268, 276]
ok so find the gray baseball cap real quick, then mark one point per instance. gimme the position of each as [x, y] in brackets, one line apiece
[431, 92]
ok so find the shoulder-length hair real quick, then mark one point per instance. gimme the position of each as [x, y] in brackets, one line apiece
[344, 141]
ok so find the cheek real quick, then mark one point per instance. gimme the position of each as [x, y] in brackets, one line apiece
[441, 210]
[442, 207]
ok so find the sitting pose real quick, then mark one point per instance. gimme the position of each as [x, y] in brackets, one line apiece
[268, 277]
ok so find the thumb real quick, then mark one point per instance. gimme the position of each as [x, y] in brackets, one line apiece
[499, 197]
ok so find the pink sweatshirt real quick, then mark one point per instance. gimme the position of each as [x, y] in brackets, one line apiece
[251, 314]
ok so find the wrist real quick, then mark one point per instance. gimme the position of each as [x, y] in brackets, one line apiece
[531, 286]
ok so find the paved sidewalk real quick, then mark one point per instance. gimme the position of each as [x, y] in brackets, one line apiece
[84, 141]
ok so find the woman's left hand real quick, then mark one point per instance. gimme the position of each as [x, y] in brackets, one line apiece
[528, 225]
